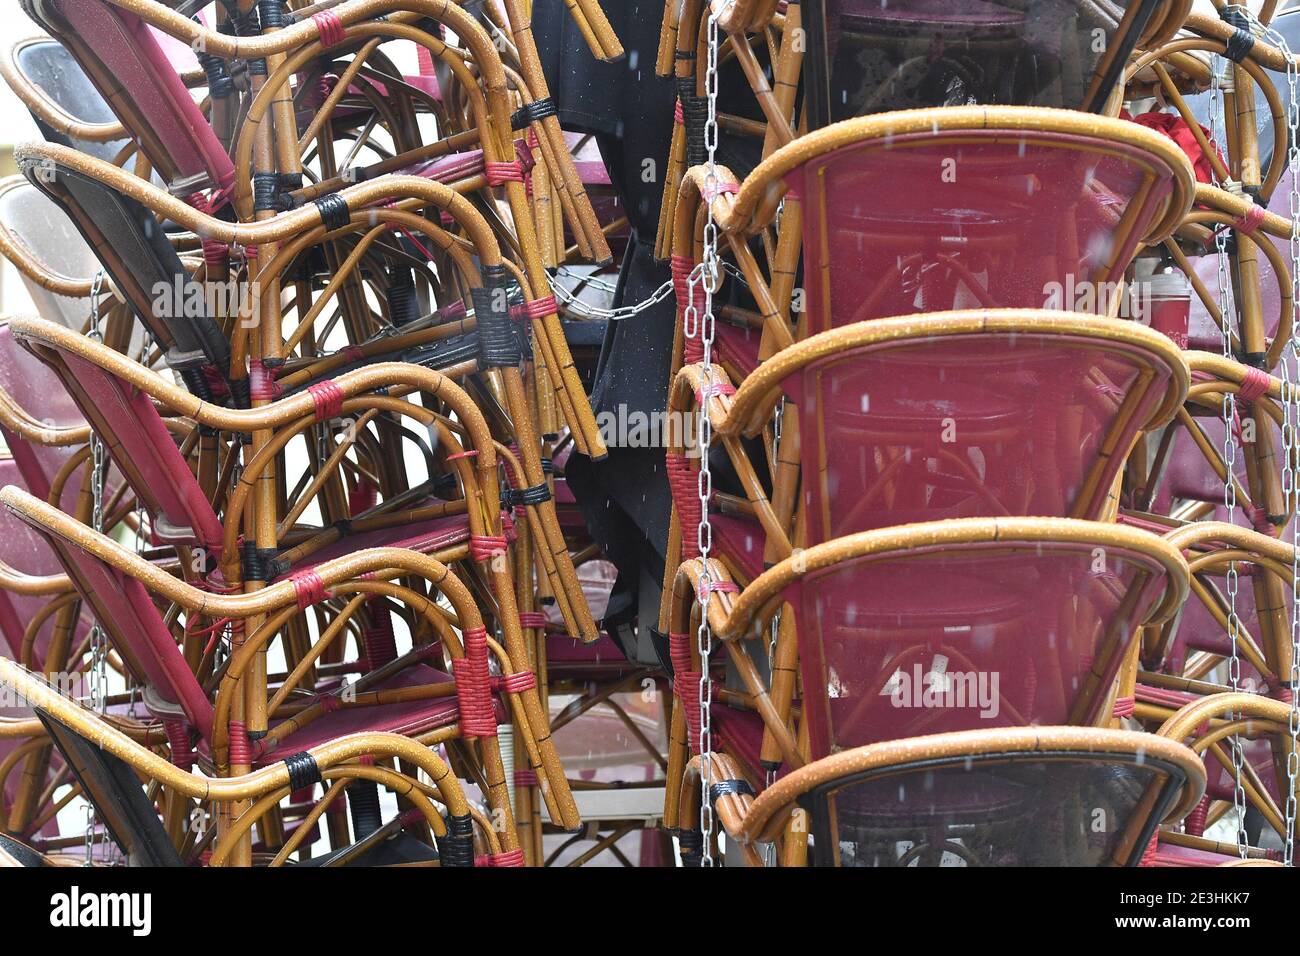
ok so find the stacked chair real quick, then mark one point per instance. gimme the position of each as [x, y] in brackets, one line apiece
[981, 441]
[297, 344]
[943, 597]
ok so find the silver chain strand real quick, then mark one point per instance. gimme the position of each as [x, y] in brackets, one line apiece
[577, 306]
[1228, 311]
[1290, 373]
[709, 272]
[97, 672]
[1289, 367]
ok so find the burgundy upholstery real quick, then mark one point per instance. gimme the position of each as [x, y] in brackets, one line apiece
[1023, 219]
[145, 452]
[968, 426]
[965, 637]
[129, 51]
[138, 633]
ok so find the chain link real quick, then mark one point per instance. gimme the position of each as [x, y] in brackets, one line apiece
[709, 272]
[1289, 367]
[97, 672]
[1289, 372]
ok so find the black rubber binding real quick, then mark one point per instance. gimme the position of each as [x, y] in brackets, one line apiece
[363, 807]
[403, 305]
[220, 85]
[692, 847]
[498, 344]
[533, 112]
[260, 564]
[535, 495]
[334, 213]
[303, 771]
[1242, 41]
[724, 788]
[695, 114]
[457, 847]
[271, 15]
[266, 192]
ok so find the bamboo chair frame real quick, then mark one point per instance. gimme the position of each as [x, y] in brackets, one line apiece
[764, 819]
[360, 196]
[734, 617]
[277, 603]
[747, 412]
[398, 379]
[273, 781]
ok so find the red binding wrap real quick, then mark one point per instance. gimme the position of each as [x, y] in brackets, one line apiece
[536, 309]
[1124, 706]
[1250, 220]
[516, 683]
[686, 682]
[713, 390]
[686, 496]
[717, 587]
[262, 386]
[711, 192]
[178, 738]
[1149, 854]
[327, 396]
[474, 686]
[524, 155]
[526, 778]
[500, 173]
[533, 619]
[330, 27]
[308, 588]
[484, 547]
[1197, 818]
[1254, 385]
[241, 754]
[1258, 516]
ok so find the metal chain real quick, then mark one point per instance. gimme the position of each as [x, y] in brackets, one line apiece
[1227, 310]
[97, 673]
[586, 310]
[579, 307]
[708, 272]
[1290, 374]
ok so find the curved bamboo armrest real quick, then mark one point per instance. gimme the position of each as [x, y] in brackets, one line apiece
[379, 562]
[14, 248]
[1240, 206]
[275, 777]
[752, 207]
[1261, 52]
[1184, 723]
[769, 812]
[32, 585]
[280, 412]
[22, 423]
[282, 226]
[752, 600]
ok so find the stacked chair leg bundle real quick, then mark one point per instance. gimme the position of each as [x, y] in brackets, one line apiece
[298, 342]
[979, 447]
[949, 569]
